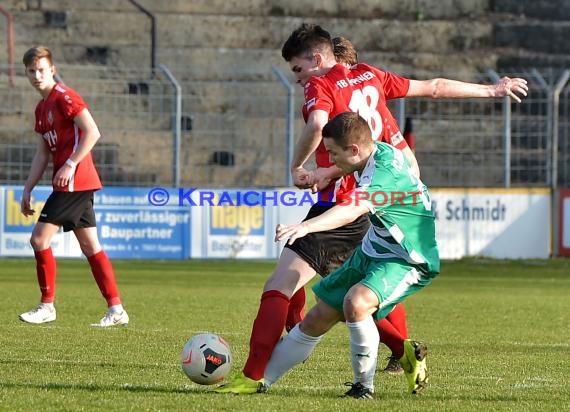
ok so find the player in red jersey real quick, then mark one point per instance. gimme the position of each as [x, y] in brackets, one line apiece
[330, 89]
[67, 133]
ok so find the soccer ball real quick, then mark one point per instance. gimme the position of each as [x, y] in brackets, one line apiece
[206, 359]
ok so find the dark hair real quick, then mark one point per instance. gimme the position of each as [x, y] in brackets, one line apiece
[344, 51]
[305, 41]
[36, 53]
[348, 128]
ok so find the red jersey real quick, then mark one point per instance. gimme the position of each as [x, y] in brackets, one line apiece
[362, 89]
[54, 121]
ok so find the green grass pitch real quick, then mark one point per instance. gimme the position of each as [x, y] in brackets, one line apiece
[498, 334]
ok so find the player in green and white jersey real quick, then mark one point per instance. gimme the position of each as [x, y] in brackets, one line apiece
[397, 258]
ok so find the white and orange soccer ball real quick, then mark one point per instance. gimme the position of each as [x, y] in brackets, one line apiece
[206, 359]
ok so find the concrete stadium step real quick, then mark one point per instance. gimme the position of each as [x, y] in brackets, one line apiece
[18, 99]
[133, 156]
[214, 63]
[247, 99]
[470, 135]
[365, 9]
[251, 168]
[16, 159]
[444, 166]
[240, 64]
[190, 30]
[461, 32]
[258, 146]
[111, 111]
[13, 127]
[242, 134]
[534, 9]
[534, 36]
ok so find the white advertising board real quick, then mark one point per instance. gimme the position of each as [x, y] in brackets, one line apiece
[240, 223]
[499, 223]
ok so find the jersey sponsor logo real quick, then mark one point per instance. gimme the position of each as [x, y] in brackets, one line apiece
[396, 139]
[50, 117]
[51, 139]
[361, 78]
[311, 103]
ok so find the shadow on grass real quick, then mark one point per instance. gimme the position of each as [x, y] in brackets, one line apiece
[93, 387]
[381, 395]
[99, 364]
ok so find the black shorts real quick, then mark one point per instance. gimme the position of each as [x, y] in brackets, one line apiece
[325, 251]
[72, 210]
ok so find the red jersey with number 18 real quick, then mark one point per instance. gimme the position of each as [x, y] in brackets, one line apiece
[54, 121]
[362, 89]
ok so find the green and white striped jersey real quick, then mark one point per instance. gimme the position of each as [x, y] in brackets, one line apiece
[403, 223]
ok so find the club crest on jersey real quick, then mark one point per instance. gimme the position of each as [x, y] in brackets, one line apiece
[50, 117]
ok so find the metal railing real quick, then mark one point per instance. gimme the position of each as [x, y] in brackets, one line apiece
[152, 18]
[160, 131]
[9, 44]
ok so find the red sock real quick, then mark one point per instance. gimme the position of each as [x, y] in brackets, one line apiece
[390, 337]
[46, 270]
[104, 275]
[296, 309]
[397, 317]
[267, 329]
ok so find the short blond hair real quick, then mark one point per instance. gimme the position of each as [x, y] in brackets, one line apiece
[36, 53]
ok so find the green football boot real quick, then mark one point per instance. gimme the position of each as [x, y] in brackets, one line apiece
[414, 364]
[242, 385]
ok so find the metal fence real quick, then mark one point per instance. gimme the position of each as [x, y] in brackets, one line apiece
[133, 112]
[159, 132]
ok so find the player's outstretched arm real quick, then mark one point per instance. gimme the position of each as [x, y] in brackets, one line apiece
[445, 88]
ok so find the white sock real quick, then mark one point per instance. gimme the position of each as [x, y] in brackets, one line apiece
[49, 306]
[364, 341]
[116, 308]
[291, 350]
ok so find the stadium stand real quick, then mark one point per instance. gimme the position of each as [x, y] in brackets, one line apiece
[222, 54]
